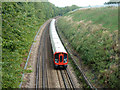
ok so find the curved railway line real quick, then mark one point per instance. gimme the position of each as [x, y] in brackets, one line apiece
[65, 80]
[45, 67]
[77, 66]
[68, 83]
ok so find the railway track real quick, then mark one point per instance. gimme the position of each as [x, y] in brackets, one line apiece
[43, 64]
[68, 83]
[38, 65]
[77, 66]
[42, 67]
[65, 79]
[46, 75]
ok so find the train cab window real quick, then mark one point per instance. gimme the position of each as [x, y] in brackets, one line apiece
[56, 57]
[65, 58]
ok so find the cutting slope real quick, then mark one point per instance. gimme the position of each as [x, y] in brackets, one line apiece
[93, 33]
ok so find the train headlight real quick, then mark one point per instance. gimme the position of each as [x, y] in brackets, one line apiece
[56, 60]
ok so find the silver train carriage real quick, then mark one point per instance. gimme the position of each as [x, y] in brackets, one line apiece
[59, 53]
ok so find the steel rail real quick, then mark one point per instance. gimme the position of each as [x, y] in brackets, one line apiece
[59, 78]
[42, 39]
[38, 60]
[43, 63]
[69, 76]
[37, 68]
[46, 49]
[78, 67]
[38, 64]
[63, 79]
[85, 78]
[68, 80]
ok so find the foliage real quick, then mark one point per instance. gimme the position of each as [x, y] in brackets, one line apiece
[88, 32]
[20, 23]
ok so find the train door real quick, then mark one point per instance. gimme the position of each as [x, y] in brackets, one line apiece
[60, 58]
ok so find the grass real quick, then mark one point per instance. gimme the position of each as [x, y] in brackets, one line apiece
[108, 17]
[93, 33]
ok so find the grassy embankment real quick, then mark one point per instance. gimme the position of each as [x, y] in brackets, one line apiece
[93, 33]
[20, 23]
[0, 37]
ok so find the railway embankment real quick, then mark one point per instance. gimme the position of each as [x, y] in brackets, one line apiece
[93, 35]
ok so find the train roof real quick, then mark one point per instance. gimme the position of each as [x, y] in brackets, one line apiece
[57, 44]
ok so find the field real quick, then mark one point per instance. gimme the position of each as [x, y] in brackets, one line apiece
[93, 33]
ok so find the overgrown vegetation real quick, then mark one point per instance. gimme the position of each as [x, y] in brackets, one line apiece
[20, 23]
[0, 46]
[93, 33]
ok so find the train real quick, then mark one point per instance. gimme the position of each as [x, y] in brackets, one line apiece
[60, 55]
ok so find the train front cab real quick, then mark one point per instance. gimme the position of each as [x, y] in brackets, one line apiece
[60, 59]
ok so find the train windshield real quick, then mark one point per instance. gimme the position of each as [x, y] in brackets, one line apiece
[65, 58]
[56, 57]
